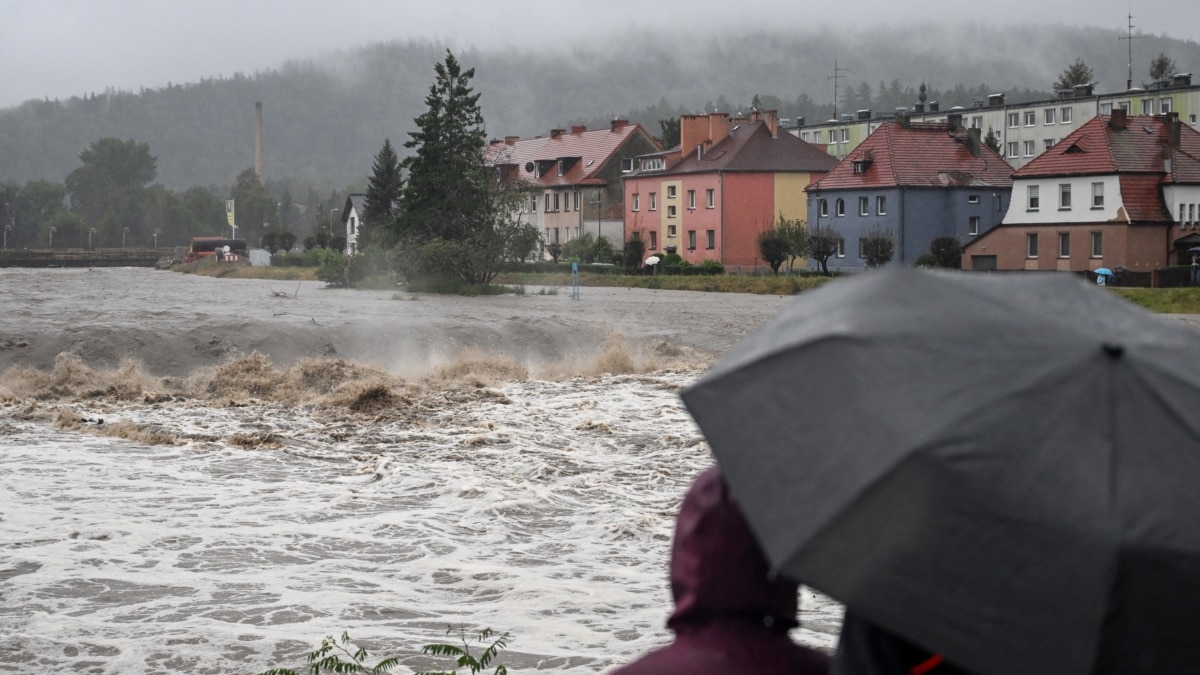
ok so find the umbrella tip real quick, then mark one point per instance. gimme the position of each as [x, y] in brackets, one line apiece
[1113, 350]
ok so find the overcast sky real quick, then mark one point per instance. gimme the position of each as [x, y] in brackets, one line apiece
[64, 48]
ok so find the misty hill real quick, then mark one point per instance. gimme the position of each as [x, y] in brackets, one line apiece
[325, 118]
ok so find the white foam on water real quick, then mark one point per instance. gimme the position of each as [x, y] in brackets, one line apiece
[545, 511]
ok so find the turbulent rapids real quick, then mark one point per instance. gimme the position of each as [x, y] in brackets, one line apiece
[212, 486]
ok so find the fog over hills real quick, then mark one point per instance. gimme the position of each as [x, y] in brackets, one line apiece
[325, 118]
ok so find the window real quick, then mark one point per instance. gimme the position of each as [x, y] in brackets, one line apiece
[1064, 197]
[532, 203]
[1064, 244]
[1124, 105]
[862, 247]
[1034, 198]
[972, 199]
[1191, 118]
[1048, 115]
[555, 201]
[547, 202]
[841, 248]
[691, 199]
[653, 240]
[711, 196]
[832, 136]
[863, 206]
[846, 135]
[880, 205]
[577, 200]
[637, 202]
[1064, 116]
[1097, 244]
[1013, 149]
[653, 201]
[711, 236]
[671, 231]
[671, 211]
[670, 192]
[626, 164]
[1014, 120]
[973, 225]
[823, 207]
[1191, 214]
[1147, 106]
[840, 206]
[1048, 143]
[691, 240]
[1164, 106]
[1097, 195]
[1030, 118]
[1029, 148]
[1105, 108]
[977, 122]
[1031, 244]
[1181, 212]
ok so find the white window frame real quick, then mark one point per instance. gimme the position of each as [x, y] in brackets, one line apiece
[973, 225]
[864, 206]
[1147, 106]
[1097, 244]
[972, 199]
[841, 248]
[1030, 148]
[653, 201]
[823, 208]
[671, 213]
[637, 201]
[1106, 108]
[1030, 118]
[670, 192]
[1065, 115]
[1031, 245]
[1014, 120]
[1064, 244]
[710, 237]
[839, 207]
[691, 240]
[1164, 106]
[1097, 195]
[1064, 196]
[691, 197]
[881, 205]
[1014, 149]
[1048, 116]
[671, 230]
[710, 196]
[1047, 144]
[1033, 198]
[846, 135]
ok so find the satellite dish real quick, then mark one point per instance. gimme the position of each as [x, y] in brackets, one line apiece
[529, 167]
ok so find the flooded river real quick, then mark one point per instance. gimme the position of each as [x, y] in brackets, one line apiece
[209, 475]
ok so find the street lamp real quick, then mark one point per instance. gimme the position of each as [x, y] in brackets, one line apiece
[52, 231]
[91, 231]
[331, 212]
[7, 228]
[124, 231]
[598, 201]
[156, 233]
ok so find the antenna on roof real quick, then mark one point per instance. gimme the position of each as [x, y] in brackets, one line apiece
[1130, 37]
[837, 75]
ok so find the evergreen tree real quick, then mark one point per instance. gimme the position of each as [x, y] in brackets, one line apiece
[383, 193]
[992, 140]
[447, 185]
[1076, 73]
[1162, 66]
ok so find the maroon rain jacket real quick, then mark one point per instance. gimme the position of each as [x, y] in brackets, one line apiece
[730, 615]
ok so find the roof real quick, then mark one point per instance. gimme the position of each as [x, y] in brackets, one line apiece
[919, 154]
[583, 154]
[1139, 146]
[355, 201]
[751, 147]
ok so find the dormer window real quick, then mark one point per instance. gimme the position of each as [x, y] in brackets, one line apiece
[861, 165]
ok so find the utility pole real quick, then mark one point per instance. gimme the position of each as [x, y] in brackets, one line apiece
[1130, 37]
[837, 75]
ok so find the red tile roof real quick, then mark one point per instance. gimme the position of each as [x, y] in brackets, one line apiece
[584, 154]
[751, 147]
[1141, 146]
[920, 154]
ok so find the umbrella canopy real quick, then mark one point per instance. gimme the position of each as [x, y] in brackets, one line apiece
[1103, 270]
[1001, 468]
[1194, 249]
[652, 260]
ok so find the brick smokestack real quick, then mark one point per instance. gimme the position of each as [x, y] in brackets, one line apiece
[258, 143]
[1118, 120]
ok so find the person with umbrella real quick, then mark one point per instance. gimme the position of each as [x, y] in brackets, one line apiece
[1003, 470]
[731, 614]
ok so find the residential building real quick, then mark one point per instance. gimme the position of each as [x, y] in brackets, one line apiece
[1121, 190]
[915, 181]
[728, 180]
[1023, 130]
[352, 213]
[573, 178]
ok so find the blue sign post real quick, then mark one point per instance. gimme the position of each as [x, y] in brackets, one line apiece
[574, 280]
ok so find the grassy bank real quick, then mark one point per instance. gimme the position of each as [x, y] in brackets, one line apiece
[1160, 300]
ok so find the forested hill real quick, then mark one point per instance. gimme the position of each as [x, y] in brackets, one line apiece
[325, 118]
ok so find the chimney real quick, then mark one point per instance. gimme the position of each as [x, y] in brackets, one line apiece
[771, 117]
[933, 106]
[1118, 120]
[578, 129]
[1173, 129]
[955, 121]
[693, 130]
[258, 143]
[864, 114]
[974, 141]
[903, 121]
[511, 140]
[555, 133]
[919, 107]
[619, 124]
[718, 127]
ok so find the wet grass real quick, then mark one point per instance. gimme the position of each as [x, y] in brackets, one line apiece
[227, 271]
[1163, 300]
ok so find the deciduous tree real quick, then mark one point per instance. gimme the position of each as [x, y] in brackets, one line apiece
[108, 191]
[773, 248]
[823, 243]
[878, 247]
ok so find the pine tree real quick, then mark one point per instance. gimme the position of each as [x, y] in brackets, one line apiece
[1162, 66]
[1076, 73]
[447, 181]
[383, 194]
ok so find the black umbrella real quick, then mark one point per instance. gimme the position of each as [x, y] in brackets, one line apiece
[1001, 468]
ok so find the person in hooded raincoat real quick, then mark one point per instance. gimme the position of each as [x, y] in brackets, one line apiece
[731, 615]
